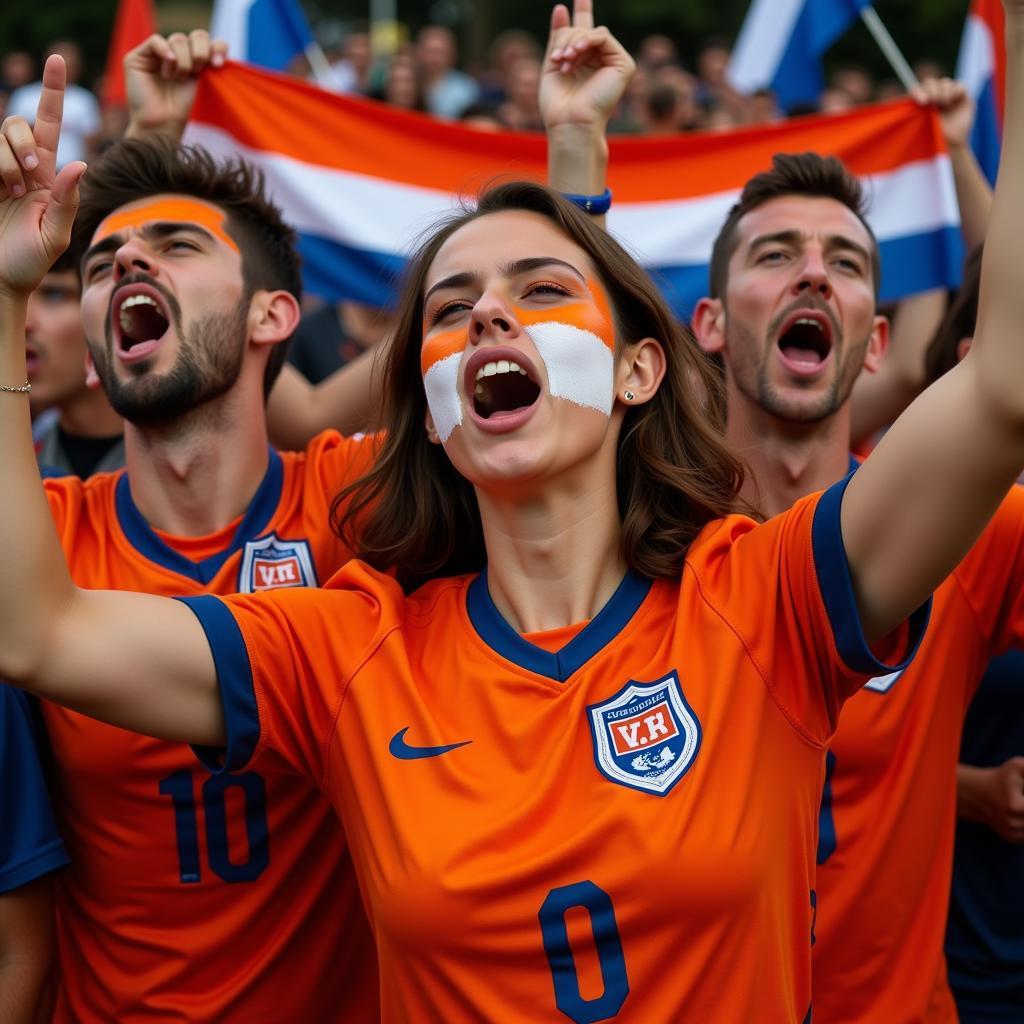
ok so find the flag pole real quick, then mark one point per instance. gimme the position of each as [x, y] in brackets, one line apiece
[318, 64]
[888, 46]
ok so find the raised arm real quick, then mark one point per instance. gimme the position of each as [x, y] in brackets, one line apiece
[878, 398]
[160, 78]
[349, 401]
[137, 661]
[956, 117]
[586, 71]
[923, 497]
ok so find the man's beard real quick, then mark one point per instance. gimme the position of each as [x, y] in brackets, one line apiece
[208, 365]
[756, 384]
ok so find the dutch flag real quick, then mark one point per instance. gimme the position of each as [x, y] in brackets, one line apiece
[268, 33]
[781, 45]
[981, 66]
[360, 181]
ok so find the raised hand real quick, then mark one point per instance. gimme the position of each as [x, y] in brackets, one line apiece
[160, 77]
[586, 70]
[953, 105]
[37, 205]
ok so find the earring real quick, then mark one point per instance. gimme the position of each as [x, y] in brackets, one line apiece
[629, 396]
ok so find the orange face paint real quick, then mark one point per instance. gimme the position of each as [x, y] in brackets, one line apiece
[575, 341]
[181, 210]
[595, 317]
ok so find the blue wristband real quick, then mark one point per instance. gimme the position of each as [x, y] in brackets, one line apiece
[591, 204]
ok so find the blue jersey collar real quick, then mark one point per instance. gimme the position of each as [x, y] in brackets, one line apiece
[141, 536]
[598, 633]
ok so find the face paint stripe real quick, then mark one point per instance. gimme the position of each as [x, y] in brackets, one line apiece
[441, 383]
[441, 346]
[580, 365]
[184, 210]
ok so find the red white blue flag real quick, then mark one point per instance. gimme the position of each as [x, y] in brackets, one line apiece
[361, 181]
[981, 66]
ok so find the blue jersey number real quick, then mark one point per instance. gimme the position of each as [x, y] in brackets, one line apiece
[826, 822]
[609, 951]
[178, 786]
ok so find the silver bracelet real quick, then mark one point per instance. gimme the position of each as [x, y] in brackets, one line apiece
[23, 390]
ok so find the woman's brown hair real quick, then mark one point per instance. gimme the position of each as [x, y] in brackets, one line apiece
[414, 513]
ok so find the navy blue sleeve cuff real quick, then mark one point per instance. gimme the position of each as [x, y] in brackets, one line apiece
[234, 676]
[833, 572]
[50, 858]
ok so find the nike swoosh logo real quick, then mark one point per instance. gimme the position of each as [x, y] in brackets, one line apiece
[400, 749]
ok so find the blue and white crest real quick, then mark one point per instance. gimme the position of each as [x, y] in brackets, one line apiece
[271, 563]
[646, 736]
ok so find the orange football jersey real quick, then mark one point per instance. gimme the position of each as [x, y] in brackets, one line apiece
[621, 829]
[194, 897]
[889, 809]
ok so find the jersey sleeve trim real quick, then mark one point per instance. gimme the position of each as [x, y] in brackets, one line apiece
[30, 845]
[234, 677]
[833, 572]
[46, 859]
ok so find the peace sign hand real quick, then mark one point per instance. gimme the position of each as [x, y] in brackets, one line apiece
[37, 205]
[586, 70]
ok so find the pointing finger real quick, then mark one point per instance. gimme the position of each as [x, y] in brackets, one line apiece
[583, 14]
[51, 104]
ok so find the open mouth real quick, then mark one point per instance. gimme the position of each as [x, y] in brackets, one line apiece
[140, 321]
[502, 386]
[806, 341]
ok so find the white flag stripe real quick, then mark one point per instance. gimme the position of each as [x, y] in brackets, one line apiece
[976, 62]
[763, 39]
[229, 21]
[910, 200]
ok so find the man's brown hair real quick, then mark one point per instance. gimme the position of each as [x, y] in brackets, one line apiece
[415, 513]
[133, 169]
[792, 174]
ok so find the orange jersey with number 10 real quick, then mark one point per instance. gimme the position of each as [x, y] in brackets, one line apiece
[622, 829]
[194, 897]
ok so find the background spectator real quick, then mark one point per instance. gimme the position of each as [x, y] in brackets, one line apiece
[82, 123]
[448, 91]
[507, 50]
[521, 111]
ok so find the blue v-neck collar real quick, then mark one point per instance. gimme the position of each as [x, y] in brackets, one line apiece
[141, 536]
[598, 633]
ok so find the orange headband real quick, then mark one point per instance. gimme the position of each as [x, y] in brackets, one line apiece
[188, 211]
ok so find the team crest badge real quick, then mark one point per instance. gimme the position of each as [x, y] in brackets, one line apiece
[646, 736]
[271, 563]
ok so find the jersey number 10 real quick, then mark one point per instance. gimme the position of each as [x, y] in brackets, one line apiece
[179, 787]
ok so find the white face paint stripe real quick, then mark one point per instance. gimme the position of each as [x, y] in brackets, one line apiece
[581, 367]
[441, 384]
